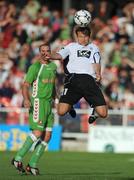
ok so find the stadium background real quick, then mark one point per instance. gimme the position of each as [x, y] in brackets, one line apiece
[24, 25]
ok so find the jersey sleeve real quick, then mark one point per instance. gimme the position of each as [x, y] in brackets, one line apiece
[31, 74]
[64, 52]
[96, 56]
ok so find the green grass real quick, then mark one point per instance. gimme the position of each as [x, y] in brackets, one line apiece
[73, 166]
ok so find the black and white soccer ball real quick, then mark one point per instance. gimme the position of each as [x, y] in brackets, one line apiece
[82, 18]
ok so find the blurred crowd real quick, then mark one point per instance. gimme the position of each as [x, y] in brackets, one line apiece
[23, 29]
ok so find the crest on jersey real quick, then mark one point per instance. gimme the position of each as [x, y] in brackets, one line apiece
[83, 53]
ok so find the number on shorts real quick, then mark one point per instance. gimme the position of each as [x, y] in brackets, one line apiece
[65, 91]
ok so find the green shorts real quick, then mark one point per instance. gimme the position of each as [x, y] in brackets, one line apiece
[40, 115]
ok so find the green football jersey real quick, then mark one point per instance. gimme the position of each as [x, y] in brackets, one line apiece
[42, 78]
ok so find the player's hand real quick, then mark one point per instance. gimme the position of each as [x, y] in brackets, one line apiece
[27, 103]
[45, 56]
[98, 78]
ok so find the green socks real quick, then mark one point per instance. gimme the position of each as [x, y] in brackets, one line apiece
[38, 152]
[25, 148]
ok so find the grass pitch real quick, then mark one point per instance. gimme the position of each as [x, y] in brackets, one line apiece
[73, 166]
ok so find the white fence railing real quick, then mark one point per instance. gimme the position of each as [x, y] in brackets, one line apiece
[71, 127]
[125, 115]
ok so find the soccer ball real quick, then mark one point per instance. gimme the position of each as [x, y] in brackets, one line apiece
[82, 18]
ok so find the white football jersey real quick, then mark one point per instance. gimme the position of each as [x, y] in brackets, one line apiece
[81, 58]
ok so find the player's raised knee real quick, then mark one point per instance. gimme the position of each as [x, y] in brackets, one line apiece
[103, 113]
[63, 109]
[61, 112]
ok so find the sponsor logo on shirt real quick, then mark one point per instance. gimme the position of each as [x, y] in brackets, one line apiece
[83, 53]
[48, 81]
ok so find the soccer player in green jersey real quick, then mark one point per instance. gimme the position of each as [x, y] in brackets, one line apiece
[41, 76]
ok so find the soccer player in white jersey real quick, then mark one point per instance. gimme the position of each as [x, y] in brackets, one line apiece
[84, 74]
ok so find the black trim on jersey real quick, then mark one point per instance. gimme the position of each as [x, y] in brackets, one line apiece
[65, 62]
[95, 59]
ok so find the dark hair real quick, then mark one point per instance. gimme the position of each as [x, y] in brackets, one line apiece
[44, 44]
[85, 30]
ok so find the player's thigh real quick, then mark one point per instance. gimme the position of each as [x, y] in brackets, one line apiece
[94, 95]
[69, 96]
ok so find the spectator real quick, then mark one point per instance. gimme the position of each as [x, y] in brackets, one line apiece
[20, 34]
[7, 89]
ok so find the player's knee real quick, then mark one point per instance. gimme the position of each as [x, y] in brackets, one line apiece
[61, 111]
[37, 133]
[103, 115]
[47, 137]
[33, 137]
[103, 112]
[63, 108]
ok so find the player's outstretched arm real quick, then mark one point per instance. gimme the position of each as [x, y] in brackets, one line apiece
[55, 56]
[97, 68]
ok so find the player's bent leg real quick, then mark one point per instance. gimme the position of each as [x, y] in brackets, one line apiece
[63, 108]
[46, 136]
[25, 147]
[72, 112]
[102, 111]
[17, 161]
[38, 152]
[98, 111]
[40, 139]
[92, 117]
